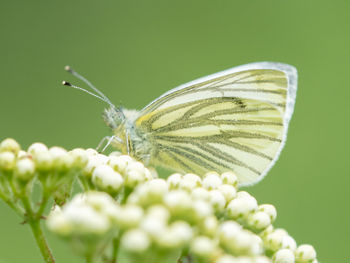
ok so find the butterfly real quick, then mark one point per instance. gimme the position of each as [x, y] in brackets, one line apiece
[235, 120]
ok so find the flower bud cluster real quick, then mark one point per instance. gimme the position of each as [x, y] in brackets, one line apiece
[202, 218]
[207, 217]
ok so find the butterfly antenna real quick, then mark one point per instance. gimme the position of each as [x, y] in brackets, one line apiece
[77, 75]
[68, 84]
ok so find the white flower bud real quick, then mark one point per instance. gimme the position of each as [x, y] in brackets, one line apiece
[202, 209]
[270, 210]
[200, 193]
[135, 240]
[156, 189]
[7, 161]
[228, 230]
[274, 240]
[241, 206]
[229, 178]
[25, 169]
[129, 216]
[91, 152]
[22, 154]
[154, 226]
[190, 181]
[10, 145]
[134, 177]
[283, 256]
[305, 254]
[259, 220]
[105, 178]
[212, 181]
[37, 148]
[43, 160]
[85, 219]
[183, 231]
[228, 191]
[58, 223]
[158, 212]
[115, 153]
[80, 157]
[174, 181]
[176, 235]
[120, 163]
[60, 158]
[217, 200]
[178, 200]
[203, 247]
[93, 162]
[289, 242]
[210, 226]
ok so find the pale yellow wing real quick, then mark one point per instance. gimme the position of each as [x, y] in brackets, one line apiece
[235, 121]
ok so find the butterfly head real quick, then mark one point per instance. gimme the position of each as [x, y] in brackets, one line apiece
[113, 117]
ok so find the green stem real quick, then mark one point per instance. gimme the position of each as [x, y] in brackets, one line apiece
[41, 241]
[116, 242]
[43, 203]
[38, 233]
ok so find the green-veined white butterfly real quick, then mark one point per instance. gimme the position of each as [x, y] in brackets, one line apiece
[235, 120]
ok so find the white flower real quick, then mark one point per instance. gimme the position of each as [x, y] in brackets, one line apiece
[274, 240]
[284, 256]
[203, 246]
[305, 254]
[129, 216]
[135, 240]
[119, 163]
[259, 220]
[200, 193]
[212, 181]
[229, 178]
[134, 177]
[58, 222]
[190, 181]
[60, 158]
[9, 145]
[7, 160]
[270, 210]
[228, 191]
[217, 200]
[105, 178]
[25, 169]
[209, 226]
[242, 205]
[174, 181]
[37, 148]
[201, 209]
[80, 157]
[289, 242]
[178, 200]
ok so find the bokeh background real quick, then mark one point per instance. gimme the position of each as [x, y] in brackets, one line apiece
[136, 50]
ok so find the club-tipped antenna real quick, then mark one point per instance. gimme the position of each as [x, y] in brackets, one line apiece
[77, 75]
[68, 84]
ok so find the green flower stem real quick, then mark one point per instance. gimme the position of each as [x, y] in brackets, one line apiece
[43, 204]
[35, 225]
[41, 241]
[116, 243]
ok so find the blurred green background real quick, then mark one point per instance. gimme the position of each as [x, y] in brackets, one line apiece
[136, 50]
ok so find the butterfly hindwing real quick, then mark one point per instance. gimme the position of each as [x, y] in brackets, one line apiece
[232, 121]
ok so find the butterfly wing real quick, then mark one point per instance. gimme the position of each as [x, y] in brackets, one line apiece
[233, 120]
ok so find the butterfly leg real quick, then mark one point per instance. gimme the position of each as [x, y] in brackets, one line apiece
[127, 141]
[109, 139]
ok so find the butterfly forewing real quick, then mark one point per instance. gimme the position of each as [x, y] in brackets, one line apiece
[234, 121]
